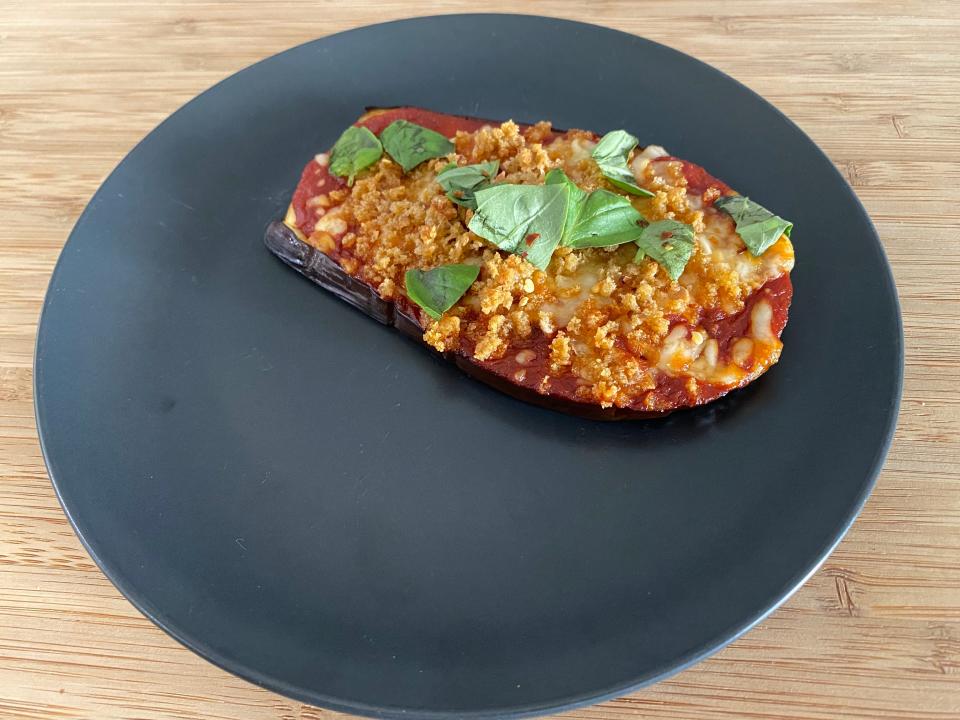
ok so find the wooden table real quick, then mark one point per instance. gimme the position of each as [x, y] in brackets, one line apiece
[876, 632]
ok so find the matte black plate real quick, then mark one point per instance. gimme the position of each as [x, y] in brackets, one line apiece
[313, 502]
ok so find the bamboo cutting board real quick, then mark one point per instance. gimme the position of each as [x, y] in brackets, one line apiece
[875, 634]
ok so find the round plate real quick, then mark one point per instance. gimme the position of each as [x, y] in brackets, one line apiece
[311, 501]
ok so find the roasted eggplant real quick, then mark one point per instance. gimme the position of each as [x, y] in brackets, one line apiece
[653, 287]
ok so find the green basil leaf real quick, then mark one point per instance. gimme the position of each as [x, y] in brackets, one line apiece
[611, 154]
[460, 183]
[605, 219]
[575, 199]
[356, 149]
[669, 242]
[758, 227]
[526, 220]
[597, 219]
[438, 289]
[410, 144]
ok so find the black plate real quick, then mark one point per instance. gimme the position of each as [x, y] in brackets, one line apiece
[313, 502]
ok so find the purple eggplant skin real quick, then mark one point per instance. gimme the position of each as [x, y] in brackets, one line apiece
[325, 272]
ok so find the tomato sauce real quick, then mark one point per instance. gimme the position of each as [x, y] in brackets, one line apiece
[315, 180]
[673, 392]
[727, 328]
[698, 179]
[535, 354]
[447, 125]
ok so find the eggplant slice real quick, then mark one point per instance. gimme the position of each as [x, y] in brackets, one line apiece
[671, 391]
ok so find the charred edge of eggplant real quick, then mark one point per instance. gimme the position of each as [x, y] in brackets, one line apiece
[325, 272]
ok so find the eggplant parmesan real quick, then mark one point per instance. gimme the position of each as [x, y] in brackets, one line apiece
[579, 272]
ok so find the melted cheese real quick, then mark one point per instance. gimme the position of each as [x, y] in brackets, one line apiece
[332, 223]
[581, 285]
[761, 318]
[580, 149]
[723, 246]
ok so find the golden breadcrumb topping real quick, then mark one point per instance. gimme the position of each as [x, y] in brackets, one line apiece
[608, 322]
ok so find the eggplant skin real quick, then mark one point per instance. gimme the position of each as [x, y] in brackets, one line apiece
[314, 265]
[325, 272]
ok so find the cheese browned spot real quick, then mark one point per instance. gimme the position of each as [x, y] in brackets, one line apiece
[608, 328]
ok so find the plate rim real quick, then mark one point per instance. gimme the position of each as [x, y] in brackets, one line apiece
[566, 703]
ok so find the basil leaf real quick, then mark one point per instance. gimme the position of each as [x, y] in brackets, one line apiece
[605, 219]
[669, 242]
[575, 199]
[410, 144]
[526, 220]
[597, 219]
[460, 183]
[356, 149]
[758, 227]
[611, 154]
[438, 289]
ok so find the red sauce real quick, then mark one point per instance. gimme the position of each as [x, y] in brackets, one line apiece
[536, 353]
[672, 392]
[447, 125]
[726, 328]
[315, 180]
[698, 179]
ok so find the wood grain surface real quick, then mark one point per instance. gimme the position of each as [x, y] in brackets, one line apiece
[875, 634]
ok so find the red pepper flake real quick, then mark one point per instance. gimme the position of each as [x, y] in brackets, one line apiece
[666, 234]
[532, 238]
